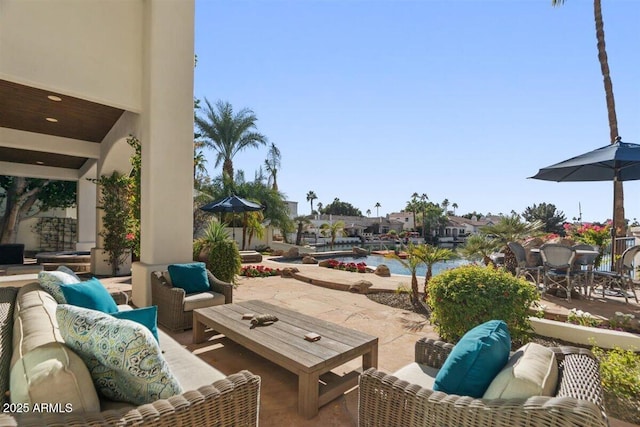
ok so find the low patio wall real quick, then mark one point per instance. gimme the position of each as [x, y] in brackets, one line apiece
[604, 338]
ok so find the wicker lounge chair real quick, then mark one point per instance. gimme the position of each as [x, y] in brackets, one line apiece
[175, 307]
[386, 400]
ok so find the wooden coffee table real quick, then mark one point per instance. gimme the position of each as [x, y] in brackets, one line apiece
[283, 343]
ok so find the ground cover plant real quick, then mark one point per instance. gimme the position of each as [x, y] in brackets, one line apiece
[359, 267]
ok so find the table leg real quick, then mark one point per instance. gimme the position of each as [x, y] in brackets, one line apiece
[198, 329]
[370, 359]
[308, 392]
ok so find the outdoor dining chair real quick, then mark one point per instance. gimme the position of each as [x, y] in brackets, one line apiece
[557, 266]
[532, 274]
[624, 277]
[584, 266]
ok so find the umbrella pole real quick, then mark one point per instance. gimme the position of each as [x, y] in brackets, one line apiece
[614, 225]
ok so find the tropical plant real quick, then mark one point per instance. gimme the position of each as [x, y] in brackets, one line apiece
[480, 246]
[338, 207]
[619, 219]
[220, 254]
[27, 197]
[368, 212]
[377, 206]
[445, 205]
[412, 262]
[254, 226]
[547, 214]
[136, 175]
[333, 230]
[431, 255]
[311, 196]
[228, 133]
[454, 206]
[511, 229]
[119, 224]
[469, 295]
[272, 164]
[302, 221]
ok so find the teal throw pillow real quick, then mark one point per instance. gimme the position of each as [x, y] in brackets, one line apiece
[191, 277]
[90, 294]
[123, 358]
[51, 281]
[146, 316]
[475, 360]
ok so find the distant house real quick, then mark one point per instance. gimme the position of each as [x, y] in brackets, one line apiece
[406, 218]
[459, 228]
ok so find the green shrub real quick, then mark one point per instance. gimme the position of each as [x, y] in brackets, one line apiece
[469, 295]
[224, 260]
[620, 375]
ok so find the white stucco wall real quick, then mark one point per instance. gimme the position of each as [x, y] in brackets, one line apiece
[91, 49]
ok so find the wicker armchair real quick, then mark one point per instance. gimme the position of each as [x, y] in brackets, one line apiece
[175, 308]
[385, 400]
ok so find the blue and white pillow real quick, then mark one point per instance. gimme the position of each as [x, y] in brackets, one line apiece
[123, 357]
[51, 281]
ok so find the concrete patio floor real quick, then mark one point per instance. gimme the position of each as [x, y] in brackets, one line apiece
[396, 329]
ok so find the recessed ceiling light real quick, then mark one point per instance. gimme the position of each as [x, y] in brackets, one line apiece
[54, 98]
[39, 162]
[51, 119]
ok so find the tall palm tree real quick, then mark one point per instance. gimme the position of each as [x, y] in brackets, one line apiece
[377, 206]
[302, 222]
[618, 215]
[333, 230]
[272, 164]
[199, 161]
[228, 133]
[423, 199]
[454, 206]
[445, 205]
[413, 203]
[311, 196]
[368, 212]
[320, 206]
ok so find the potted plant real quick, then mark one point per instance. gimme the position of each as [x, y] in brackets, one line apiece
[218, 251]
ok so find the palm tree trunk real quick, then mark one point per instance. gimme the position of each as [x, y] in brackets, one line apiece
[618, 215]
[427, 277]
[414, 288]
[227, 168]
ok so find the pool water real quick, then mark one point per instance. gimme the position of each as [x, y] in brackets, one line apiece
[396, 266]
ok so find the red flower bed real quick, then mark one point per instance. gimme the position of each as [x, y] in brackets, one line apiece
[360, 267]
[259, 271]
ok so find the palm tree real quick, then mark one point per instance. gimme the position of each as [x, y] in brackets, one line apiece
[228, 133]
[302, 221]
[430, 255]
[413, 206]
[333, 230]
[254, 226]
[320, 206]
[377, 206]
[454, 205]
[423, 199]
[368, 212]
[511, 229]
[445, 205]
[412, 262]
[311, 196]
[199, 161]
[480, 246]
[272, 164]
[618, 216]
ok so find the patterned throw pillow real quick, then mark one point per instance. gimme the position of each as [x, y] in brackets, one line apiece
[123, 357]
[51, 281]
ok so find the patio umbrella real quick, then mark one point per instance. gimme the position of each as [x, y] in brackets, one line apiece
[232, 204]
[619, 161]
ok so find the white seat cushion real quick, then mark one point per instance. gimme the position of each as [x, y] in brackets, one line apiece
[531, 371]
[201, 300]
[419, 374]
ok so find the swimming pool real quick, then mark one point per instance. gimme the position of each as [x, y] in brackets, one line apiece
[394, 265]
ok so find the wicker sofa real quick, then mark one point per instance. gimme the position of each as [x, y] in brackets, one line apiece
[175, 307]
[386, 400]
[30, 339]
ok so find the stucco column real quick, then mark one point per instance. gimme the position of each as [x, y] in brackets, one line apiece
[166, 135]
[86, 208]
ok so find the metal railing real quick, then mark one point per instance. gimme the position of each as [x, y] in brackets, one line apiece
[622, 243]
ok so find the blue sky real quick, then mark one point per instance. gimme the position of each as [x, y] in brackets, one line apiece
[371, 101]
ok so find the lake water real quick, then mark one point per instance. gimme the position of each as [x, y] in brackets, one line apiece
[396, 266]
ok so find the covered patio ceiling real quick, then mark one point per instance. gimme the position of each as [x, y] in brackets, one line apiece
[30, 109]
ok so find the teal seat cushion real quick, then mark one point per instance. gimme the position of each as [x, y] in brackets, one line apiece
[123, 358]
[51, 281]
[475, 360]
[89, 294]
[192, 277]
[146, 316]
